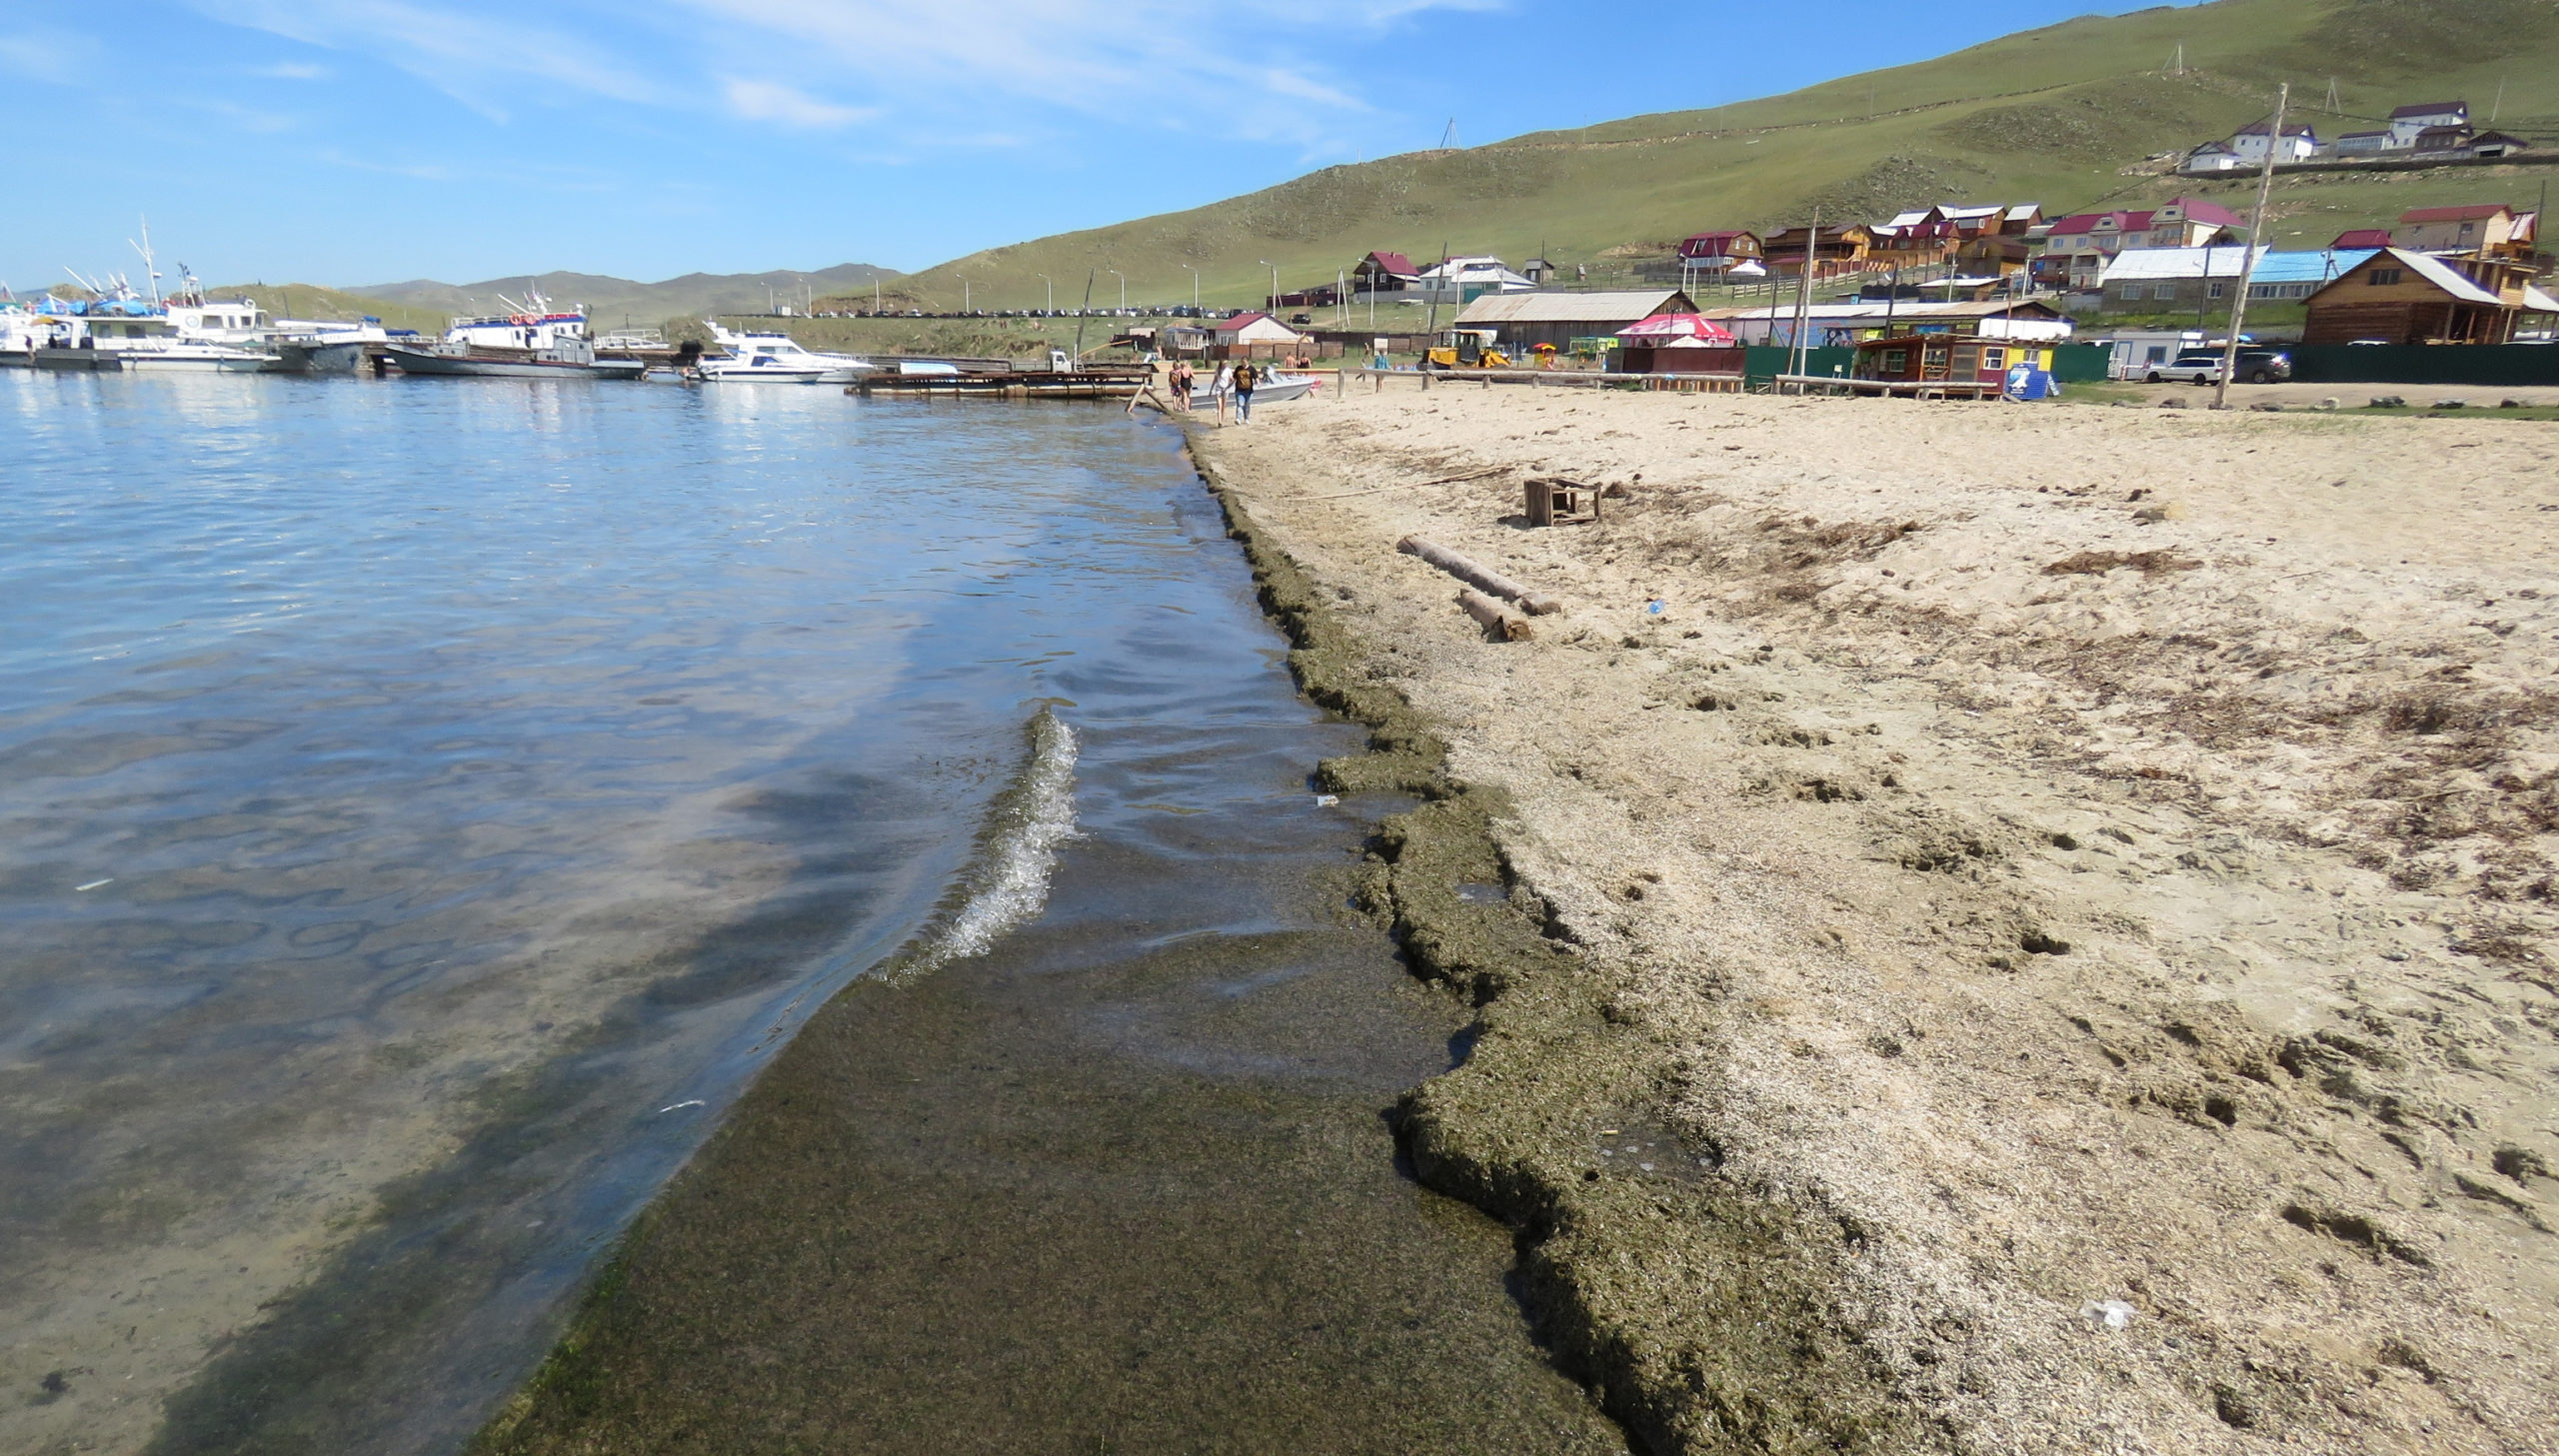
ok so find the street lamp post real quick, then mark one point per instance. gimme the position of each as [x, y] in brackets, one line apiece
[1195, 288]
[1052, 291]
[1123, 287]
[1275, 283]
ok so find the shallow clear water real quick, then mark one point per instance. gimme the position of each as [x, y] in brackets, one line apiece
[425, 803]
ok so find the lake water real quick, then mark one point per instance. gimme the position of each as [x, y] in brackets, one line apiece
[426, 804]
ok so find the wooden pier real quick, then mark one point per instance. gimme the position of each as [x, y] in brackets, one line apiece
[1068, 384]
[1588, 379]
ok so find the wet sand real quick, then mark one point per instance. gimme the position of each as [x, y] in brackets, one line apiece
[2074, 883]
[1125, 1182]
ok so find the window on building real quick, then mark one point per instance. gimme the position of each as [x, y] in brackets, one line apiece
[1994, 358]
[2215, 289]
[2383, 277]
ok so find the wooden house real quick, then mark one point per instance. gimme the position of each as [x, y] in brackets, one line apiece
[2401, 297]
[1382, 273]
[1836, 251]
[1716, 252]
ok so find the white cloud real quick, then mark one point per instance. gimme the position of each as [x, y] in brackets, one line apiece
[292, 71]
[774, 102]
[1257, 68]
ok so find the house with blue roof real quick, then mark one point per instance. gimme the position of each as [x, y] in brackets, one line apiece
[2152, 280]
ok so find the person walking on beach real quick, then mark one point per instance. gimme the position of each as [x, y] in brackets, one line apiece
[1180, 384]
[1222, 386]
[1245, 378]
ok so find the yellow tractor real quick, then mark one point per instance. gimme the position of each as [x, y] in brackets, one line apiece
[1467, 349]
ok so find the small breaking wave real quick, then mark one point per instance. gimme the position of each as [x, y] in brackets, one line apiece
[1006, 883]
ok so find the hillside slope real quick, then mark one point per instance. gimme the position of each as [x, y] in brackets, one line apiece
[612, 302]
[2055, 115]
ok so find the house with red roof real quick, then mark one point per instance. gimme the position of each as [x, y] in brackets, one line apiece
[1384, 273]
[2079, 246]
[2361, 238]
[1719, 250]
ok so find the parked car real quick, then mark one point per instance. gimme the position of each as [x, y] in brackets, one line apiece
[2203, 366]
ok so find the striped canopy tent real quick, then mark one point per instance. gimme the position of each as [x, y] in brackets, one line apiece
[1663, 329]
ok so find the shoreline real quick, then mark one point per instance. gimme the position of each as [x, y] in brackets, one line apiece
[1550, 1068]
[2061, 1020]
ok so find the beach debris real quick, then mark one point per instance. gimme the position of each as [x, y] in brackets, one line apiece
[1655, 606]
[2172, 403]
[680, 1106]
[2387, 401]
[93, 885]
[1327, 800]
[1498, 621]
[2107, 1314]
[1555, 501]
[1475, 573]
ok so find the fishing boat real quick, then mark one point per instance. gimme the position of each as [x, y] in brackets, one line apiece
[532, 341]
[762, 358]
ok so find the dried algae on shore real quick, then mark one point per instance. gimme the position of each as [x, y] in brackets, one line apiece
[2057, 897]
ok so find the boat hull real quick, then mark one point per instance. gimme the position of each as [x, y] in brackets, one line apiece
[1269, 392]
[142, 359]
[457, 366]
[331, 357]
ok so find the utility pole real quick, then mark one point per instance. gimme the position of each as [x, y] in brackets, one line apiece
[1275, 283]
[1077, 360]
[967, 304]
[875, 294]
[1123, 287]
[1797, 358]
[1195, 288]
[1052, 292]
[2249, 261]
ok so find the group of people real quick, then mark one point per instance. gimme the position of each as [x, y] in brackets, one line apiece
[1234, 383]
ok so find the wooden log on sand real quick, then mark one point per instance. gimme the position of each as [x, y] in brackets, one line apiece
[1467, 569]
[1498, 621]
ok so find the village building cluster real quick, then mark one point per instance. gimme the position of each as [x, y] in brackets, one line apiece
[2003, 276]
[2433, 132]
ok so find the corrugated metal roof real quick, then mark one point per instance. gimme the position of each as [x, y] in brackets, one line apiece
[2137, 265]
[2441, 274]
[1566, 308]
[1905, 308]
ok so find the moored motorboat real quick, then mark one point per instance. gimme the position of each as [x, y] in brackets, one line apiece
[533, 342]
[1272, 389]
[764, 358]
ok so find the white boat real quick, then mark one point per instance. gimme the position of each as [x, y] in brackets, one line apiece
[533, 342]
[1270, 390]
[759, 358]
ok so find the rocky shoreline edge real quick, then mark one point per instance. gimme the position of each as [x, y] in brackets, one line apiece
[1705, 1316]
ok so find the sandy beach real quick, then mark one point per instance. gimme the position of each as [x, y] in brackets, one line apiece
[2059, 897]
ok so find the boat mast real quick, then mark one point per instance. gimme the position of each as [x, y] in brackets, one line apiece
[149, 266]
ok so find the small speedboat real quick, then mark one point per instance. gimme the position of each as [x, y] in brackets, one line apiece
[1270, 390]
[760, 358]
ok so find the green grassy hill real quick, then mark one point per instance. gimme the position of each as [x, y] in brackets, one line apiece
[2063, 116]
[614, 302]
[309, 301]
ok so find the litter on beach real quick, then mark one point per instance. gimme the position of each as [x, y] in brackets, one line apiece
[680, 1106]
[93, 885]
[1327, 800]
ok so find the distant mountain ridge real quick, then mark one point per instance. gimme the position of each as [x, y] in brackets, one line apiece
[610, 301]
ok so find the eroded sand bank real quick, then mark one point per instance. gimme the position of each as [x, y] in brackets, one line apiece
[2030, 858]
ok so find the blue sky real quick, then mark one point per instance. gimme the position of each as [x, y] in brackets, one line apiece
[365, 140]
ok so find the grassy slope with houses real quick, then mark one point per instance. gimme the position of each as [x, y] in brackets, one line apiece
[2064, 115]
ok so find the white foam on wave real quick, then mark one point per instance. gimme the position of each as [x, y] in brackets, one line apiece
[1023, 829]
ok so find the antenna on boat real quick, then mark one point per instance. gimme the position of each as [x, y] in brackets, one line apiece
[144, 248]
